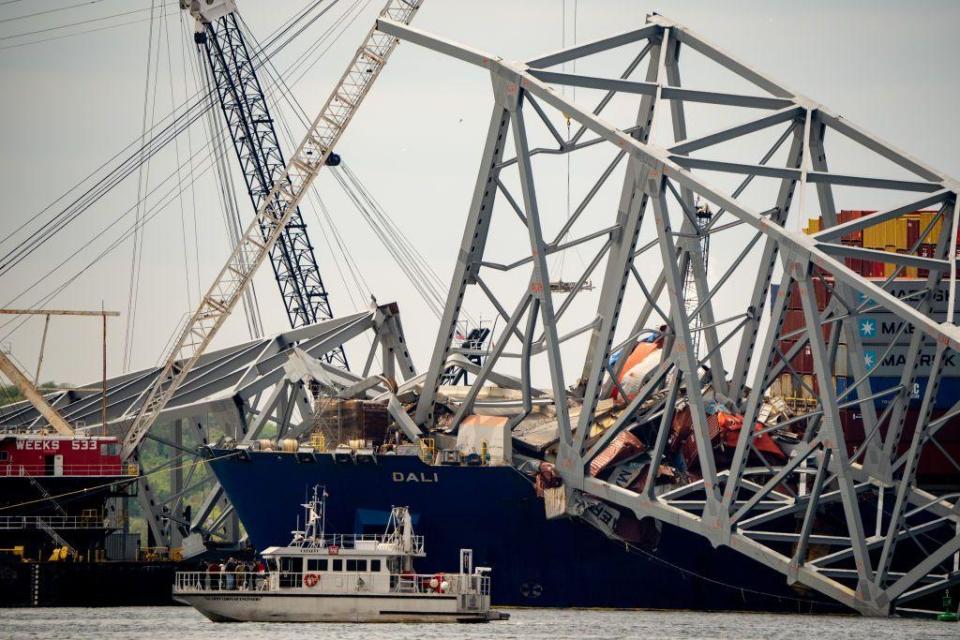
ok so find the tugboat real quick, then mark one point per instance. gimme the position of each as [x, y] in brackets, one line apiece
[342, 578]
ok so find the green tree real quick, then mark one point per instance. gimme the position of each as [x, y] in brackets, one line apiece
[9, 393]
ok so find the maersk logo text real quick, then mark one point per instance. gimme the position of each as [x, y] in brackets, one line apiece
[400, 476]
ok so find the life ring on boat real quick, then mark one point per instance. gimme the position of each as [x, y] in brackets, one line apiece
[311, 580]
[333, 550]
[437, 582]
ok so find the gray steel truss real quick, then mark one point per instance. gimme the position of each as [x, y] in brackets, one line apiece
[888, 542]
[259, 389]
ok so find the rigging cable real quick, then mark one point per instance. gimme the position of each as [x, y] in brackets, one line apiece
[118, 173]
[74, 24]
[47, 11]
[229, 207]
[143, 182]
[176, 148]
[78, 33]
[418, 271]
[158, 207]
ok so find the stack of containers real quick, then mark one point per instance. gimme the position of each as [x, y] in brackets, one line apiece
[897, 235]
[894, 236]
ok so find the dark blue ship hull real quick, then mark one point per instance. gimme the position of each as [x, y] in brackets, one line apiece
[495, 511]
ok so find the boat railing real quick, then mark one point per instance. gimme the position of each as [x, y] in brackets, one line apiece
[359, 541]
[456, 584]
[202, 581]
[336, 582]
[11, 469]
[54, 522]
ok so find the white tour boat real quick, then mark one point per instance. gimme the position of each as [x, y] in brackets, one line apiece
[342, 578]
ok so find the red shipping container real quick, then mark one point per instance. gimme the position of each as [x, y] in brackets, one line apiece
[855, 237]
[626, 445]
[913, 233]
[784, 346]
[802, 363]
[792, 321]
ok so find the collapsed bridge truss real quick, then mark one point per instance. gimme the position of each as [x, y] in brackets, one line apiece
[891, 542]
[264, 388]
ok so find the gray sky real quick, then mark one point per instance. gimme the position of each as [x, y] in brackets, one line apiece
[69, 104]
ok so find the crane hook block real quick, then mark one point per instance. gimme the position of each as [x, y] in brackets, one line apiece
[333, 160]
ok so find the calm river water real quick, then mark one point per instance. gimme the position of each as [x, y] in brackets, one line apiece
[182, 623]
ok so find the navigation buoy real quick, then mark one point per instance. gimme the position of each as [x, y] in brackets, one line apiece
[949, 614]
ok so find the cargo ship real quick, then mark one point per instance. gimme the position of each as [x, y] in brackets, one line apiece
[60, 544]
[495, 507]
[495, 510]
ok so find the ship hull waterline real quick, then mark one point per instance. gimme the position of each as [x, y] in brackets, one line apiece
[308, 607]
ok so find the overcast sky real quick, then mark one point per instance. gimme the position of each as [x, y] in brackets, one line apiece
[70, 103]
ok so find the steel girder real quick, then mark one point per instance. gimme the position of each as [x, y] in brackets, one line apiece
[243, 392]
[889, 541]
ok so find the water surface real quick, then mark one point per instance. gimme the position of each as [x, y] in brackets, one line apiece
[183, 623]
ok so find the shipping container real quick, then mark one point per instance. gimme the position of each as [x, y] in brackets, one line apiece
[934, 466]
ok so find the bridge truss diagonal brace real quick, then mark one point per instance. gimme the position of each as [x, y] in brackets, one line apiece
[633, 202]
[801, 254]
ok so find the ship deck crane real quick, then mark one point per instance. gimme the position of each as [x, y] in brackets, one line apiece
[232, 73]
[273, 215]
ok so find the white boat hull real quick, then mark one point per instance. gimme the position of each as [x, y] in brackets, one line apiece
[253, 606]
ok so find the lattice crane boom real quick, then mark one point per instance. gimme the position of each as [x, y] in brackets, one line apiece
[273, 215]
[233, 76]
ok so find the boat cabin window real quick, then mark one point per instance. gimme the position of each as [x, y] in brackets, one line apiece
[3, 455]
[356, 565]
[290, 564]
[375, 566]
[110, 449]
[393, 565]
[316, 564]
[338, 565]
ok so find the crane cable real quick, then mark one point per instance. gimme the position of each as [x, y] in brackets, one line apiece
[143, 182]
[415, 267]
[228, 204]
[48, 11]
[157, 207]
[176, 147]
[79, 22]
[92, 194]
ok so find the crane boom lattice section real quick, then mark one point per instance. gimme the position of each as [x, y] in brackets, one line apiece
[272, 216]
[262, 162]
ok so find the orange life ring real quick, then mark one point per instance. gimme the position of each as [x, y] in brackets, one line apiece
[311, 580]
[333, 550]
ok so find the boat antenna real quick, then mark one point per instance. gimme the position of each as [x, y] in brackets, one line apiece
[323, 510]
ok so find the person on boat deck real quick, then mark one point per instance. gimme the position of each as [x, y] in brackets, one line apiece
[230, 568]
[261, 575]
[213, 570]
[223, 571]
[242, 569]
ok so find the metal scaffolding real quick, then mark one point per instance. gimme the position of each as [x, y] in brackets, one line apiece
[894, 542]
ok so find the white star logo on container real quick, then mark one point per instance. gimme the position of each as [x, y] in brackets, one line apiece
[869, 359]
[868, 328]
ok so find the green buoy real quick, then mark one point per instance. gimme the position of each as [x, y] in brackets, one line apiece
[949, 614]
